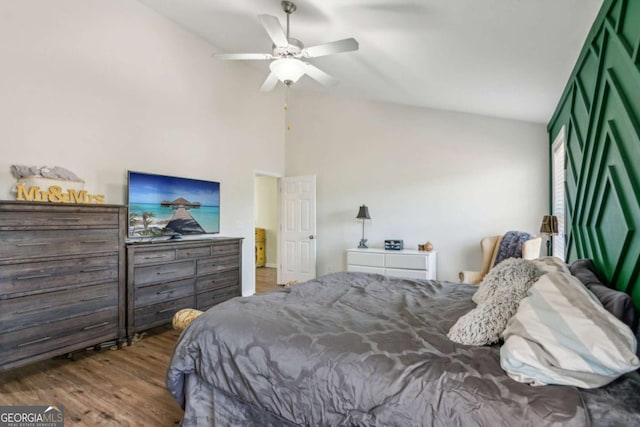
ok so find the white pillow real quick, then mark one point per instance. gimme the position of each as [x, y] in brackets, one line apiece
[549, 264]
[561, 334]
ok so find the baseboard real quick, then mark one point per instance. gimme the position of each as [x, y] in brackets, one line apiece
[271, 265]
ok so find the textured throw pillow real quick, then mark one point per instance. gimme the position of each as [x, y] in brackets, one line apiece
[615, 302]
[484, 324]
[499, 294]
[511, 274]
[561, 334]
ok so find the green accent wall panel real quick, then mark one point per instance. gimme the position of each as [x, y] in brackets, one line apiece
[600, 111]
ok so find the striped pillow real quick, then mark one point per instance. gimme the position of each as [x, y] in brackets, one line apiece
[561, 334]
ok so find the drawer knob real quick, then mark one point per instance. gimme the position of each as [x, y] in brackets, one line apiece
[165, 272]
[33, 244]
[91, 270]
[86, 328]
[96, 297]
[95, 241]
[24, 344]
[34, 276]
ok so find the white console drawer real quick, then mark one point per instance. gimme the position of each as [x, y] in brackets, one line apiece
[365, 269]
[410, 274]
[368, 259]
[412, 262]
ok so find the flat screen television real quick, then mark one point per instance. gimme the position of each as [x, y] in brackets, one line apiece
[165, 207]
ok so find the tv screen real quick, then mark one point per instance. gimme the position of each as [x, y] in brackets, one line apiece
[162, 207]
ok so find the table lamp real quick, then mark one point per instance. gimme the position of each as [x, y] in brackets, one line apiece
[363, 214]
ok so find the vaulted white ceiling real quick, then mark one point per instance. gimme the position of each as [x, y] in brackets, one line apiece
[505, 58]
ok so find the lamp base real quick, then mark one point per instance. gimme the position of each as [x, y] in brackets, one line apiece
[363, 244]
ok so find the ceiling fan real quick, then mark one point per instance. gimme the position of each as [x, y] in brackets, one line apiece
[288, 55]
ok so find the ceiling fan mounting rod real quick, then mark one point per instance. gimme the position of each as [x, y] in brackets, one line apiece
[289, 7]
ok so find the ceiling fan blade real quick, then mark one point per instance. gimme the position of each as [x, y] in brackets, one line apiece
[320, 76]
[227, 56]
[269, 83]
[338, 46]
[275, 31]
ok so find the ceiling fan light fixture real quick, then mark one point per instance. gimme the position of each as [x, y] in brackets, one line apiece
[288, 70]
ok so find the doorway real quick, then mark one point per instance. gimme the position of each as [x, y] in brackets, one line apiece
[266, 222]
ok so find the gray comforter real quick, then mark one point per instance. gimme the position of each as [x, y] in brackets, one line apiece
[355, 349]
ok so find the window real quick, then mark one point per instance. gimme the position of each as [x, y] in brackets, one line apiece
[557, 192]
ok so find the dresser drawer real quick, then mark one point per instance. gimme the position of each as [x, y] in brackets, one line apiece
[215, 281]
[49, 219]
[20, 245]
[410, 274]
[191, 253]
[100, 325]
[159, 314]
[217, 264]
[367, 259]
[208, 299]
[28, 311]
[225, 248]
[163, 273]
[33, 277]
[409, 261]
[162, 292]
[365, 269]
[153, 257]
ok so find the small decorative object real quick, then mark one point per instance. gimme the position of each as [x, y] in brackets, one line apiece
[363, 215]
[428, 247]
[549, 227]
[393, 245]
[55, 185]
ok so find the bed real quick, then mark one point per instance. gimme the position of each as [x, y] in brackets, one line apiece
[366, 350]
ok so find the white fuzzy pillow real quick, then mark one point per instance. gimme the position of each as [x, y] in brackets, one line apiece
[511, 275]
[498, 297]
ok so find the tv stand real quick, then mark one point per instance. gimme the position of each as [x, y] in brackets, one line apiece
[164, 277]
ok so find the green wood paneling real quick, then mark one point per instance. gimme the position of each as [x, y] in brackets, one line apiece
[600, 109]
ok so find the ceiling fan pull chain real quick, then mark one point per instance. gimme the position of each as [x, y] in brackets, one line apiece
[286, 108]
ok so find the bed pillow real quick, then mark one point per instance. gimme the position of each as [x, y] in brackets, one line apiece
[617, 303]
[549, 264]
[561, 334]
[499, 294]
[512, 273]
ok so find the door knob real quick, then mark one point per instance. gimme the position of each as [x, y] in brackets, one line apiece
[312, 237]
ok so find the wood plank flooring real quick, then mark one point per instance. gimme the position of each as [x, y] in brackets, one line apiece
[110, 387]
[266, 280]
[106, 388]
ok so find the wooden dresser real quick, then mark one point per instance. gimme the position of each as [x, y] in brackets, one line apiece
[164, 277]
[61, 279]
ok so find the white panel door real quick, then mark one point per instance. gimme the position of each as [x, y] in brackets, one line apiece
[297, 229]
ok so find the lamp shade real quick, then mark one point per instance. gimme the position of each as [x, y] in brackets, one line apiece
[549, 225]
[287, 69]
[363, 213]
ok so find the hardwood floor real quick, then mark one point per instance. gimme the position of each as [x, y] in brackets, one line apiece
[266, 280]
[109, 387]
[106, 388]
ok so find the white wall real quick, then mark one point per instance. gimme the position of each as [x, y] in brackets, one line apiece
[266, 208]
[449, 178]
[100, 87]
